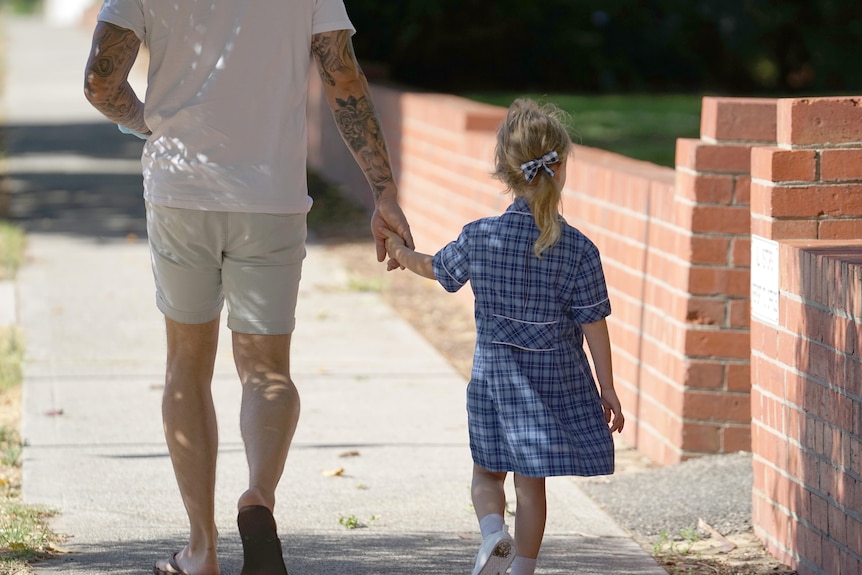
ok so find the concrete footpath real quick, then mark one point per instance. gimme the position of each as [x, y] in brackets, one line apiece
[382, 440]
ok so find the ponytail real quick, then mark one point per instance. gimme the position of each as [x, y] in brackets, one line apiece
[530, 132]
[543, 203]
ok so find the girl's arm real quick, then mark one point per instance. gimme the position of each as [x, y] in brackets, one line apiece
[414, 261]
[600, 350]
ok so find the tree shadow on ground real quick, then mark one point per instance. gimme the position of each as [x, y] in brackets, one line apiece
[85, 180]
[355, 552]
[77, 179]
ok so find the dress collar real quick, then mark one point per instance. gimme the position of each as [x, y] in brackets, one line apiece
[520, 206]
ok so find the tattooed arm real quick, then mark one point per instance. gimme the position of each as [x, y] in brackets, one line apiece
[350, 100]
[106, 83]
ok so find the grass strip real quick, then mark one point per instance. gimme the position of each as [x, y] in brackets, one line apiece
[12, 241]
[640, 126]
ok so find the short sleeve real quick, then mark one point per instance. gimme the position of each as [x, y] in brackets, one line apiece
[452, 264]
[330, 15]
[128, 14]
[590, 302]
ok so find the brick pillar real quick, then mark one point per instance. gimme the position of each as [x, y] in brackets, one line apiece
[713, 181]
[806, 329]
[808, 186]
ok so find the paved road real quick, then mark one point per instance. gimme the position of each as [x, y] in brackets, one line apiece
[378, 402]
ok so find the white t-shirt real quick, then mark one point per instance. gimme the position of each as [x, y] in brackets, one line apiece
[226, 98]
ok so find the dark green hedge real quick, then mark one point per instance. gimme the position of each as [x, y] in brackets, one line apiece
[614, 45]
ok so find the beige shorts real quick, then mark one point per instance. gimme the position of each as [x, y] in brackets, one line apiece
[202, 259]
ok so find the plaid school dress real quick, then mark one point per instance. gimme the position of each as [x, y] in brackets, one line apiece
[532, 404]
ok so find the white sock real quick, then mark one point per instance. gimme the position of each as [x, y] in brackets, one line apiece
[523, 566]
[491, 523]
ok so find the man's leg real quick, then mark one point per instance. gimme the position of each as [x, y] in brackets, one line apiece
[190, 427]
[268, 417]
[269, 411]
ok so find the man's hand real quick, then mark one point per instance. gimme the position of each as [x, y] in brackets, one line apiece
[388, 216]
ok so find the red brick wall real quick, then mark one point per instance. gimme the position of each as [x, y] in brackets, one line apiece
[441, 148]
[676, 251]
[676, 244]
[623, 205]
[806, 195]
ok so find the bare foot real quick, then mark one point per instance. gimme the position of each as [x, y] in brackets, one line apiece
[178, 564]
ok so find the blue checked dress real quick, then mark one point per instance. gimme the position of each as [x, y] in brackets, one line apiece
[532, 403]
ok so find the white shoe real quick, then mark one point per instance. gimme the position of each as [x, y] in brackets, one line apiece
[496, 554]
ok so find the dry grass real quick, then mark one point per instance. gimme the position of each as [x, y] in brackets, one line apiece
[24, 535]
[12, 242]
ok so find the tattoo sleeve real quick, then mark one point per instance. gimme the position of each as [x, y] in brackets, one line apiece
[106, 83]
[350, 100]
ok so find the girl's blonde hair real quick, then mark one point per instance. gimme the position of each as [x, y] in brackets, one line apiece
[530, 131]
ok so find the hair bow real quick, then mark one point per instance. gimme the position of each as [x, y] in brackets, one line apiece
[531, 168]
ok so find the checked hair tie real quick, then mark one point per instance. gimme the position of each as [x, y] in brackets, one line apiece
[531, 168]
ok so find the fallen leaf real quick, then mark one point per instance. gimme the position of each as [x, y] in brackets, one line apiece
[334, 472]
[726, 544]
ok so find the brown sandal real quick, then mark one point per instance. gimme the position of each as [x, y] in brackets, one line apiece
[261, 548]
[172, 563]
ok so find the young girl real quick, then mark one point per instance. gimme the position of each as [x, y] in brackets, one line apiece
[532, 404]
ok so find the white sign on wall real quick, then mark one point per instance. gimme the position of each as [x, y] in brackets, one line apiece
[764, 279]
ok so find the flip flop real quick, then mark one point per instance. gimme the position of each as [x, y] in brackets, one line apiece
[172, 563]
[261, 548]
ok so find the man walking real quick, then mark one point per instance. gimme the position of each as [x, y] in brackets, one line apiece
[224, 168]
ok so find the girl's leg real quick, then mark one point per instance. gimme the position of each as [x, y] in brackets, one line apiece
[489, 495]
[489, 499]
[523, 566]
[530, 515]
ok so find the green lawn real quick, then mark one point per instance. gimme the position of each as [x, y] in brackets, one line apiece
[639, 126]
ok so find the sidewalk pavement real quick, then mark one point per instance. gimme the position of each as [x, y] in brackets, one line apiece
[382, 439]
